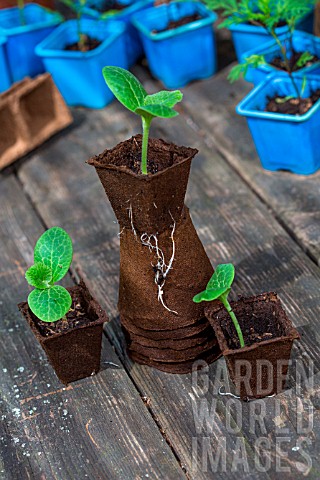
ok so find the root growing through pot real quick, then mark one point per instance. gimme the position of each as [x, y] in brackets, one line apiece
[161, 269]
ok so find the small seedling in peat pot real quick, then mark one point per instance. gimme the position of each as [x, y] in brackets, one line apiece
[129, 91]
[218, 288]
[52, 259]
[73, 342]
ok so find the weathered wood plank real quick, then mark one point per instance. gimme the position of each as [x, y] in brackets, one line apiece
[90, 429]
[294, 199]
[233, 225]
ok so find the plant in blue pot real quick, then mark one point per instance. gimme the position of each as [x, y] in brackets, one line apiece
[249, 20]
[76, 52]
[24, 27]
[122, 10]
[283, 115]
[178, 41]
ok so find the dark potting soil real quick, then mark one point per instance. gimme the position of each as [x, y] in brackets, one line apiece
[179, 23]
[258, 323]
[89, 44]
[76, 317]
[128, 154]
[110, 5]
[292, 106]
[279, 63]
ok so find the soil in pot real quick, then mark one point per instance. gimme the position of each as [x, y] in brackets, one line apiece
[88, 44]
[280, 64]
[292, 106]
[259, 369]
[179, 23]
[73, 346]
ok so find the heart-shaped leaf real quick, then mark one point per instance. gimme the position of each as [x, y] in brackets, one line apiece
[156, 111]
[125, 87]
[165, 98]
[54, 249]
[51, 304]
[39, 276]
[222, 278]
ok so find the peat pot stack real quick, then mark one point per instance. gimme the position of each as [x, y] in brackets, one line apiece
[162, 261]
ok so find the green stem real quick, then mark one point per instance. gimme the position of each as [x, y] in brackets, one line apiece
[234, 319]
[146, 122]
[81, 36]
[21, 12]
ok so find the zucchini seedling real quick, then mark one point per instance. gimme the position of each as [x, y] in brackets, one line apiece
[129, 91]
[218, 288]
[52, 259]
[78, 7]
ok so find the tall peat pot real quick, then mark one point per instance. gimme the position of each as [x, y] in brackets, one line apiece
[78, 74]
[283, 142]
[260, 368]
[178, 55]
[74, 352]
[22, 38]
[162, 261]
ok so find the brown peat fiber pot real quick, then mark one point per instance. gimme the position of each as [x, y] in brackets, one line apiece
[73, 347]
[260, 368]
[162, 261]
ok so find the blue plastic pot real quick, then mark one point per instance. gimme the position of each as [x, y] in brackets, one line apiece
[78, 75]
[22, 39]
[134, 44]
[246, 37]
[302, 42]
[4, 71]
[283, 142]
[183, 54]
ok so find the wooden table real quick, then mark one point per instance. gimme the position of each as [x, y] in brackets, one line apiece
[133, 422]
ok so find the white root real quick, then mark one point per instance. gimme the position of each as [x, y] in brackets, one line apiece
[161, 269]
[131, 220]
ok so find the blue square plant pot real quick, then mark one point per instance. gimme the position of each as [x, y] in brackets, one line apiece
[4, 70]
[131, 7]
[302, 42]
[246, 37]
[283, 142]
[183, 54]
[78, 75]
[22, 39]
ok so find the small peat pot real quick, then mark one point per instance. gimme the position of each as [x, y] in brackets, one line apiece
[5, 81]
[258, 369]
[178, 41]
[301, 42]
[284, 141]
[126, 9]
[77, 73]
[23, 34]
[73, 347]
[246, 37]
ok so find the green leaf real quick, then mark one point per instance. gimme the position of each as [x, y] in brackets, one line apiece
[51, 304]
[304, 59]
[54, 249]
[209, 295]
[39, 276]
[222, 278]
[156, 111]
[165, 98]
[125, 87]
